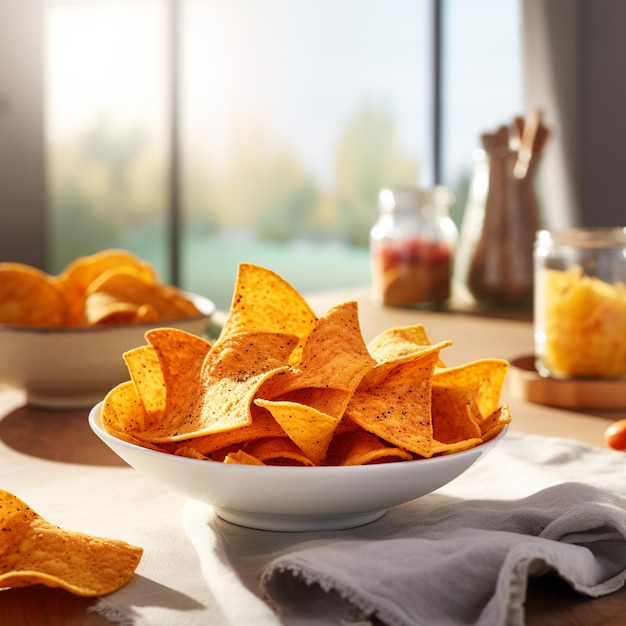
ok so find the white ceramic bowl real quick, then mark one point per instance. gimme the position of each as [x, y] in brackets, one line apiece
[76, 367]
[295, 498]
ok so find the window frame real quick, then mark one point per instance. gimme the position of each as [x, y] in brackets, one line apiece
[31, 246]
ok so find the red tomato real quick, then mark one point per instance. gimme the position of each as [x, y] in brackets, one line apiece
[615, 435]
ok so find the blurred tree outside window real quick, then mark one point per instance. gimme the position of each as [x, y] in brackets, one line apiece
[291, 118]
[106, 121]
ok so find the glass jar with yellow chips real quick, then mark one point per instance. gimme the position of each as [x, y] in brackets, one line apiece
[580, 302]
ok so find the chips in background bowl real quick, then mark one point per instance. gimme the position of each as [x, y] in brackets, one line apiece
[108, 287]
[30, 297]
[76, 367]
[51, 351]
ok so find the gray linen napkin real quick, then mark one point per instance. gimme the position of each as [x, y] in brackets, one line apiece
[462, 562]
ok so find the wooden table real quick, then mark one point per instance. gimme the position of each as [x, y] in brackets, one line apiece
[29, 435]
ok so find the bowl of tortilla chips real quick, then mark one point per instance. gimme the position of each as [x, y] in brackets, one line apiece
[63, 336]
[289, 421]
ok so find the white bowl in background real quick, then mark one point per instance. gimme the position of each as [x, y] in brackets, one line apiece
[76, 367]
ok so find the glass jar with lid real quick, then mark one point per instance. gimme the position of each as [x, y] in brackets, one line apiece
[412, 246]
[580, 303]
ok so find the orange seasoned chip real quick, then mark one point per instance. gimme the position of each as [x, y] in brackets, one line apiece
[330, 401]
[311, 430]
[124, 290]
[34, 551]
[168, 344]
[136, 269]
[242, 458]
[166, 375]
[281, 386]
[394, 402]
[265, 302]
[486, 375]
[190, 453]
[123, 415]
[401, 341]
[277, 451]
[112, 287]
[494, 423]
[219, 398]
[455, 412]
[145, 371]
[440, 449]
[358, 447]
[123, 412]
[147, 314]
[108, 312]
[334, 356]
[29, 297]
[263, 425]
[80, 273]
[84, 270]
[181, 357]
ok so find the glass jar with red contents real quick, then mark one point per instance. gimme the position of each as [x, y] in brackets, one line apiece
[412, 246]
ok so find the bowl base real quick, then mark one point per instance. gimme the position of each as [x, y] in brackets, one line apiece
[299, 523]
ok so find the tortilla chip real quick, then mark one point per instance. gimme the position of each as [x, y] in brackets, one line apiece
[145, 372]
[277, 451]
[181, 356]
[440, 449]
[28, 297]
[33, 551]
[401, 341]
[310, 429]
[265, 302]
[218, 398]
[80, 273]
[263, 425]
[334, 356]
[147, 314]
[104, 310]
[242, 458]
[358, 447]
[393, 402]
[493, 425]
[332, 402]
[486, 375]
[190, 453]
[123, 290]
[455, 412]
[122, 410]
[85, 269]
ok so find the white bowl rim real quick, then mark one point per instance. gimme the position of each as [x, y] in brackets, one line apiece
[96, 426]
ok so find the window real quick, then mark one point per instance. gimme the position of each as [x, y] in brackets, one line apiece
[280, 120]
[107, 122]
[482, 80]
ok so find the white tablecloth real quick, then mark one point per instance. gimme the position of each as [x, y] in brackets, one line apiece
[198, 569]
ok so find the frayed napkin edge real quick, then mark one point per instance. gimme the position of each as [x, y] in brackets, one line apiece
[111, 613]
[364, 610]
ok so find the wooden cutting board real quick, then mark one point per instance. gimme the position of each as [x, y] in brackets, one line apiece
[572, 393]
